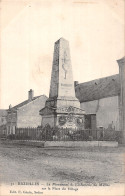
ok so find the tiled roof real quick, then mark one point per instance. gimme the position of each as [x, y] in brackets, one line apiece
[99, 88]
[23, 103]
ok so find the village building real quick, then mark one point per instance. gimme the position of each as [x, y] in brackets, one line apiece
[3, 121]
[25, 114]
[104, 100]
[100, 100]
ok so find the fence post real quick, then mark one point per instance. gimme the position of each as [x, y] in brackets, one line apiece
[19, 132]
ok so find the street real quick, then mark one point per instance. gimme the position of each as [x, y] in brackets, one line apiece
[88, 165]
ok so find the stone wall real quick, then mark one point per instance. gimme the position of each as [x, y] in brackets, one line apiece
[3, 117]
[106, 110]
[28, 115]
[121, 63]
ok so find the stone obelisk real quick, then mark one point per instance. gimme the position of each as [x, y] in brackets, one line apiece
[62, 108]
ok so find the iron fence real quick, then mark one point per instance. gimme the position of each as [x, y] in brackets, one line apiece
[65, 134]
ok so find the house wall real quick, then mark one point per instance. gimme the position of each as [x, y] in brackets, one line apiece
[3, 121]
[11, 122]
[121, 63]
[106, 110]
[3, 118]
[28, 115]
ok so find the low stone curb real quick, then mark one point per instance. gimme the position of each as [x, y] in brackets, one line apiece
[80, 144]
[63, 143]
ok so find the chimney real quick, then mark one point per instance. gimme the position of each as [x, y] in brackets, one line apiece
[10, 106]
[30, 94]
[76, 83]
[121, 63]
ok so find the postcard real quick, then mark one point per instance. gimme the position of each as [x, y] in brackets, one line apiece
[62, 98]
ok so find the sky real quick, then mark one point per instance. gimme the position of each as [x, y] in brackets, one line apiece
[94, 29]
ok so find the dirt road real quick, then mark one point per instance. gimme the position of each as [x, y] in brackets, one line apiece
[88, 165]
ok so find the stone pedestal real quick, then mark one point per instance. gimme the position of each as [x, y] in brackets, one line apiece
[62, 108]
[66, 117]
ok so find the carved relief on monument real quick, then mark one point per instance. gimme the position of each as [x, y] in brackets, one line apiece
[66, 86]
[65, 64]
[80, 121]
[71, 120]
[62, 120]
[69, 109]
[66, 121]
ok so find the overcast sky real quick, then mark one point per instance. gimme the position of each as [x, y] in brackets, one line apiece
[94, 29]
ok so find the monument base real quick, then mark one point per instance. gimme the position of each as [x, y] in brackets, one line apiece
[62, 102]
[63, 117]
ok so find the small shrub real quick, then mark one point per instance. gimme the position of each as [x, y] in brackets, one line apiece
[11, 137]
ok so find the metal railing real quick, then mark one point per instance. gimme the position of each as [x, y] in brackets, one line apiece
[64, 134]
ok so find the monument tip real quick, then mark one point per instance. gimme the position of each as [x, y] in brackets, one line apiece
[61, 39]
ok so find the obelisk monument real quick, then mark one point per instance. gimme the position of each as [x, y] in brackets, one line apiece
[62, 108]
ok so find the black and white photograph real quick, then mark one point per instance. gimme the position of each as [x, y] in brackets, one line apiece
[62, 97]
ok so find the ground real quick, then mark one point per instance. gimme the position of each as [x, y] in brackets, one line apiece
[87, 165]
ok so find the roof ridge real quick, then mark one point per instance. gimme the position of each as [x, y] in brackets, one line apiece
[98, 89]
[98, 79]
[25, 102]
